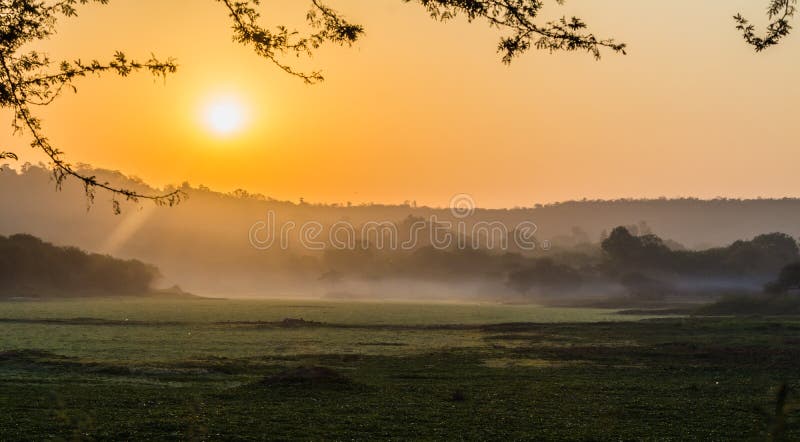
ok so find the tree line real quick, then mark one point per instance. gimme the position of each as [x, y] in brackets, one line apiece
[644, 265]
[32, 267]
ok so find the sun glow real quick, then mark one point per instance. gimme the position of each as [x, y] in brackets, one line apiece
[225, 117]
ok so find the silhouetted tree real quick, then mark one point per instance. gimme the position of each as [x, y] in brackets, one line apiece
[762, 255]
[788, 279]
[27, 79]
[621, 245]
[30, 266]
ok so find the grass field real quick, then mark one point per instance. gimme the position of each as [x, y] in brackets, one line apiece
[211, 370]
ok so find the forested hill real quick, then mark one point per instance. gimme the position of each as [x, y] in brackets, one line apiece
[30, 267]
[62, 216]
[207, 235]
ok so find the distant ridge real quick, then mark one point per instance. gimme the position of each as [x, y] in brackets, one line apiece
[208, 233]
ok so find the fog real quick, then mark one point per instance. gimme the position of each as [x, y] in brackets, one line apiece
[215, 244]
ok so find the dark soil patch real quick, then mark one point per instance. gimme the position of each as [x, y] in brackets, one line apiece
[88, 321]
[382, 344]
[308, 375]
[658, 312]
[285, 323]
[28, 355]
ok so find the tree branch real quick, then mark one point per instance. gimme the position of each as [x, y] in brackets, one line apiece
[779, 13]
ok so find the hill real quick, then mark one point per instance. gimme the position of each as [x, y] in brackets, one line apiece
[30, 267]
[210, 234]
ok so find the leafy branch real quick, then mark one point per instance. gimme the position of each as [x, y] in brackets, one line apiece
[23, 84]
[28, 79]
[779, 13]
[272, 44]
[519, 18]
[42, 87]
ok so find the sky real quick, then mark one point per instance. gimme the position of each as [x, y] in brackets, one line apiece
[419, 110]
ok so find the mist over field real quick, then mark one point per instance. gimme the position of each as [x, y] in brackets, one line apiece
[211, 244]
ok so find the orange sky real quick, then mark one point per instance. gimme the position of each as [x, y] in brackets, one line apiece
[421, 111]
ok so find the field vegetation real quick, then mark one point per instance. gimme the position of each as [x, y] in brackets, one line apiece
[209, 370]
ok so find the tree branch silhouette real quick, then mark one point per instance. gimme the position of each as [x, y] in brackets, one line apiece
[25, 82]
[22, 85]
[518, 18]
[779, 13]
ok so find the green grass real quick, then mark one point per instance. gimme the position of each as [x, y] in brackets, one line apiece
[572, 377]
[394, 313]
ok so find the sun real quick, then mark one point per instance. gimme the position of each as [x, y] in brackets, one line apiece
[225, 117]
